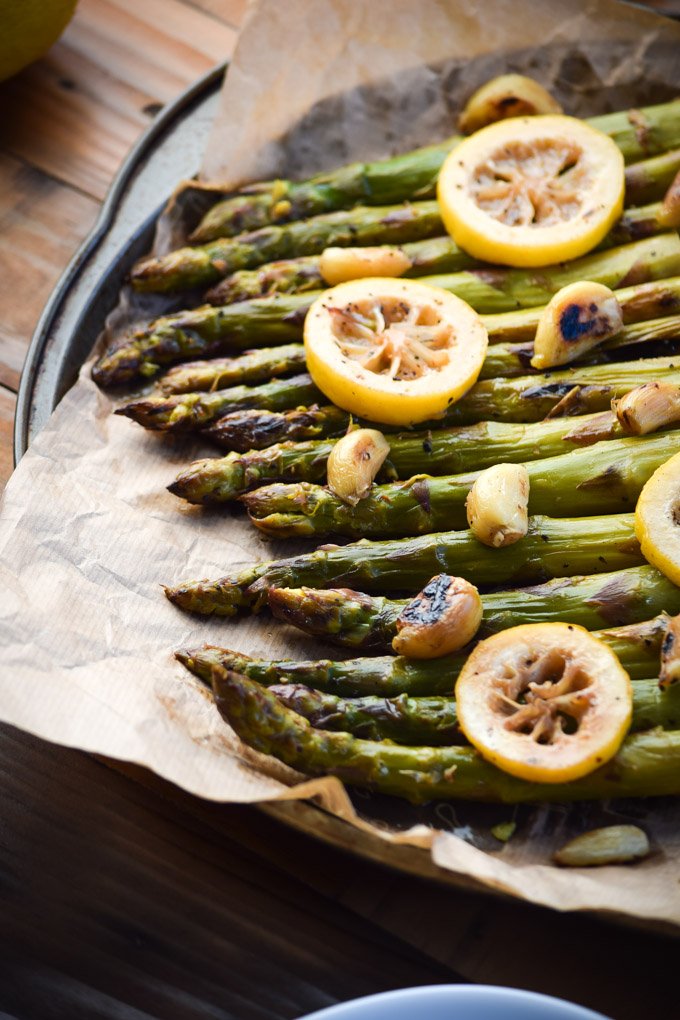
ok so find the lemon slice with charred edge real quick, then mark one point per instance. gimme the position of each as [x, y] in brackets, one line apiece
[530, 191]
[394, 351]
[657, 519]
[547, 702]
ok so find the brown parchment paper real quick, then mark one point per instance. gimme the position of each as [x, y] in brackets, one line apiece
[88, 531]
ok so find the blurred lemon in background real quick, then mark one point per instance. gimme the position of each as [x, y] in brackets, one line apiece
[27, 30]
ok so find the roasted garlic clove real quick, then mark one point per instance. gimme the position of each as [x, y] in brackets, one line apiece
[354, 462]
[497, 505]
[669, 216]
[444, 617]
[509, 95]
[648, 408]
[613, 844]
[576, 319]
[338, 265]
[670, 654]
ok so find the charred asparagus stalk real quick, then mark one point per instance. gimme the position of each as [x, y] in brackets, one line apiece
[446, 451]
[200, 266]
[257, 429]
[639, 134]
[507, 359]
[605, 478]
[647, 764]
[649, 179]
[575, 392]
[356, 620]
[636, 645]
[433, 719]
[202, 333]
[435, 255]
[207, 331]
[552, 548]
[261, 366]
[251, 367]
[186, 412]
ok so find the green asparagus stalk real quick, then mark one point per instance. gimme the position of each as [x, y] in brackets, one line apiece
[360, 621]
[200, 266]
[639, 134]
[649, 179]
[262, 365]
[639, 303]
[604, 478]
[186, 412]
[516, 400]
[434, 719]
[435, 255]
[251, 367]
[442, 452]
[646, 765]
[208, 331]
[637, 646]
[256, 429]
[202, 333]
[284, 276]
[552, 547]
[507, 359]
[413, 175]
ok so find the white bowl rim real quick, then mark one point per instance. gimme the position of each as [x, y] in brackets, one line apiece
[470, 994]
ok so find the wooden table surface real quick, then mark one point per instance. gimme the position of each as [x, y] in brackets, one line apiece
[120, 896]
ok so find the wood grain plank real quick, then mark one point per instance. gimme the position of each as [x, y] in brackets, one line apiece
[42, 222]
[115, 899]
[230, 11]
[7, 406]
[487, 940]
[76, 113]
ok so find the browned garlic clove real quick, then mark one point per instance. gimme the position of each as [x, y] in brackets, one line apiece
[354, 462]
[648, 408]
[670, 654]
[613, 844]
[509, 95]
[444, 617]
[497, 505]
[338, 265]
[576, 319]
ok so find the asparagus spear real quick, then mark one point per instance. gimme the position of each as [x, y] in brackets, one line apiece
[446, 451]
[551, 548]
[185, 412]
[649, 179]
[639, 134]
[435, 255]
[604, 478]
[512, 359]
[433, 719]
[251, 367]
[517, 400]
[637, 646]
[412, 175]
[199, 333]
[356, 620]
[208, 331]
[257, 429]
[647, 764]
[198, 267]
[639, 303]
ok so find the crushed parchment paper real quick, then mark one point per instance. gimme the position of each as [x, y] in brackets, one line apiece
[88, 531]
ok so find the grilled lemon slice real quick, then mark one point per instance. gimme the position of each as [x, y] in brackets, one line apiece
[531, 191]
[547, 702]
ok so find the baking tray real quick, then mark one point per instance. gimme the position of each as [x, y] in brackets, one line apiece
[169, 151]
